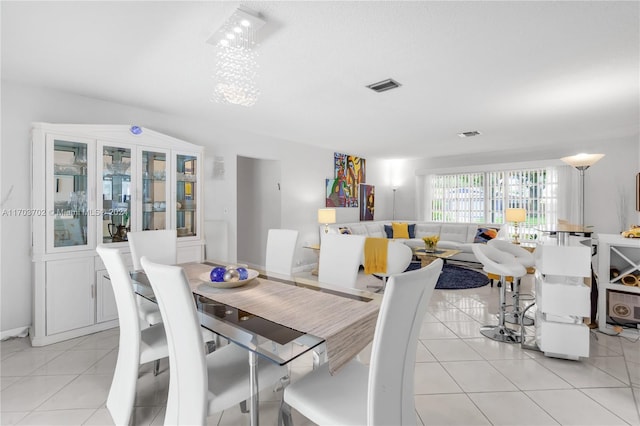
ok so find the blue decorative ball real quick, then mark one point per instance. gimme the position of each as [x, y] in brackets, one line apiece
[244, 274]
[217, 274]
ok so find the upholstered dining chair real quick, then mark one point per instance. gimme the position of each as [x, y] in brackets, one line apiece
[160, 246]
[526, 259]
[340, 258]
[383, 392]
[281, 246]
[199, 384]
[503, 265]
[399, 257]
[136, 346]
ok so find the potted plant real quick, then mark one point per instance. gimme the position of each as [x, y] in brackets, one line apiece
[430, 243]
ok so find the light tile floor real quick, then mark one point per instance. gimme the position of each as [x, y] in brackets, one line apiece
[461, 378]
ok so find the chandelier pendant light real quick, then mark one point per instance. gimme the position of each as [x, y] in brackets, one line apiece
[236, 66]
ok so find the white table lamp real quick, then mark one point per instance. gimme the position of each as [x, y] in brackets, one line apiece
[516, 216]
[326, 216]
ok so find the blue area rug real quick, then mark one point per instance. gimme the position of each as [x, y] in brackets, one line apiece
[456, 277]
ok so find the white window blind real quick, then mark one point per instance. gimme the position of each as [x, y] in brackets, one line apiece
[483, 196]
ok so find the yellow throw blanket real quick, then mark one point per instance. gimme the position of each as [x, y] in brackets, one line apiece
[375, 255]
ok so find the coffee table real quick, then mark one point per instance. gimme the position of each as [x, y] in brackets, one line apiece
[428, 257]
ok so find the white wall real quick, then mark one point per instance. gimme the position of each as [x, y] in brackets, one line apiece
[303, 169]
[259, 207]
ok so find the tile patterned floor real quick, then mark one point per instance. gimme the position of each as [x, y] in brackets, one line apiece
[461, 378]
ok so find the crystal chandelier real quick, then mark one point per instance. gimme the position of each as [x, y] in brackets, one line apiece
[236, 60]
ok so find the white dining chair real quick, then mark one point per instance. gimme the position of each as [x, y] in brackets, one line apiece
[340, 259]
[399, 257]
[136, 346]
[383, 392]
[281, 247]
[160, 246]
[199, 384]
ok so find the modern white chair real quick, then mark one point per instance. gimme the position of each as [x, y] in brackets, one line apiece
[526, 259]
[340, 259]
[399, 257]
[281, 246]
[504, 265]
[136, 346]
[383, 392]
[199, 384]
[159, 246]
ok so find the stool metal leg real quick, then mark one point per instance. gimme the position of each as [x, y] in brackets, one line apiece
[500, 332]
[516, 316]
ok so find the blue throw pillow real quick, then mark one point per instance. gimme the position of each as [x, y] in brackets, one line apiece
[412, 230]
[389, 231]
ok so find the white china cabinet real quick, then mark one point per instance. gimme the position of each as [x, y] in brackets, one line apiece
[92, 184]
[619, 285]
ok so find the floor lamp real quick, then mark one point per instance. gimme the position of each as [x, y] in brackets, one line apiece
[394, 203]
[582, 162]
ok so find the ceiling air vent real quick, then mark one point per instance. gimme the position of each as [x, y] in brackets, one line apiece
[384, 85]
[469, 134]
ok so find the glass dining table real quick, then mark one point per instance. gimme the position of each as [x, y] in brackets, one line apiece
[280, 319]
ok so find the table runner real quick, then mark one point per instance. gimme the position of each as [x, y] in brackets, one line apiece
[346, 325]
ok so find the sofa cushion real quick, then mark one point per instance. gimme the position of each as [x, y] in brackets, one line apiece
[388, 231]
[375, 230]
[427, 230]
[449, 245]
[454, 232]
[344, 230]
[485, 234]
[358, 229]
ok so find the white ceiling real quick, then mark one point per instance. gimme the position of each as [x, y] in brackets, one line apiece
[522, 73]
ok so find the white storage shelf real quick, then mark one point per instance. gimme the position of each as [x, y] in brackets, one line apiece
[562, 300]
[618, 304]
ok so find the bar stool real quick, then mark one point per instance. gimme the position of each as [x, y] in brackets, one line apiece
[504, 265]
[526, 259]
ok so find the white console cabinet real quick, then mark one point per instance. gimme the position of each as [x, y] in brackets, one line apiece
[92, 184]
[619, 303]
[562, 299]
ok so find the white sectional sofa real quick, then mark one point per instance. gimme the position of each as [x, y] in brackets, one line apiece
[458, 236]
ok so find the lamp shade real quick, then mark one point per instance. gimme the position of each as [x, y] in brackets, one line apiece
[515, 215]
[326, 216]
[582, 161]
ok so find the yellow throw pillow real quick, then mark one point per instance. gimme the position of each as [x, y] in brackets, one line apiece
[400, 229]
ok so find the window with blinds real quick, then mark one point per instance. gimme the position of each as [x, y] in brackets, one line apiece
[482, 197]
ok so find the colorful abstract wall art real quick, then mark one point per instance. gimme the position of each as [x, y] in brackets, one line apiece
[367, 202]
[349, 173]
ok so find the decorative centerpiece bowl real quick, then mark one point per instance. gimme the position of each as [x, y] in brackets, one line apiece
[229, 277]
[430, 243]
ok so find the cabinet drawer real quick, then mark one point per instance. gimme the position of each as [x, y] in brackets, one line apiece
[555, 338]
[563, 260]
[563, 299]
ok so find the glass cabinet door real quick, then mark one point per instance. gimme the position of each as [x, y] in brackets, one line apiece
[116, 194]
[186, 200]
[70, 190]
[154, 190]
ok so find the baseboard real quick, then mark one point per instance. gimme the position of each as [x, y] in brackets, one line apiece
[16, 332]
